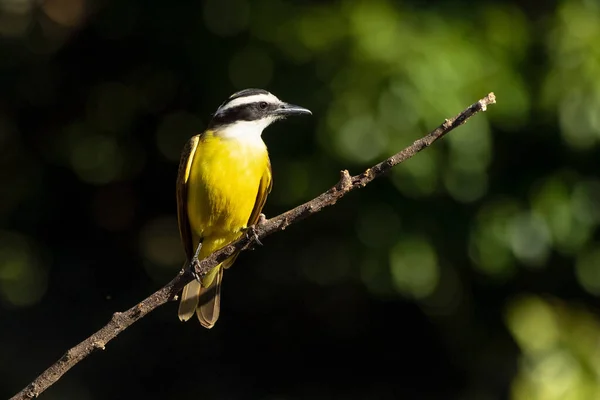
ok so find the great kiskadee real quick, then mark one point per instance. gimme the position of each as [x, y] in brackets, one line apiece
[223, 182]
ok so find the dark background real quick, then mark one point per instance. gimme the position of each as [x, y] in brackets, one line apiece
[470, 272]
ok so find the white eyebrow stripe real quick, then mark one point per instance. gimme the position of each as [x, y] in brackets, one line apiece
[269, 98]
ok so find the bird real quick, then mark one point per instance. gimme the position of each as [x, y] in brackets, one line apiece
[223, 181]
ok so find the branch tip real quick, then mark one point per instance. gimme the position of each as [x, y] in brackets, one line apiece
[487, 100]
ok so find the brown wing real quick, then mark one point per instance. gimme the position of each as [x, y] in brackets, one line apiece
[266, 184]
[185, 164]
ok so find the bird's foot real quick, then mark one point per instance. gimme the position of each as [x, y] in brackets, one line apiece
[252, 235]
[251, 230]
[195, 263]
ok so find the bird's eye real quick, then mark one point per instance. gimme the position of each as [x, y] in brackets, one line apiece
[263, 105]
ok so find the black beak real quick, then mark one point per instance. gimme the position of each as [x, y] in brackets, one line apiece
[286, 109]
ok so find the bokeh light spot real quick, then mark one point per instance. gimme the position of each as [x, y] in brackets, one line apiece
[375, 27]
[414, 267]
[17, 6]
[321, 29]
[360, 139]
[160, 244]
[15, 17]
[23, 277]
[465, 186]
[587, 269]
[65, 12]
[571, 87]
[585, 200]
[95, 158]
[532, 323]
[560, 353]
[551, 200]
[530, 238]
[470, 149]
[489, 240]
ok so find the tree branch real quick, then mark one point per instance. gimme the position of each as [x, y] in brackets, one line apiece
[122, 320]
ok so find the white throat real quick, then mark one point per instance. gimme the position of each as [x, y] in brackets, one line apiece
[247, 132]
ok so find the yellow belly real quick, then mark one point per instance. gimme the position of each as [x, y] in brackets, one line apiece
[222, 188]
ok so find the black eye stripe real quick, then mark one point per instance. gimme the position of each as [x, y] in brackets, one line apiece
[243, 112]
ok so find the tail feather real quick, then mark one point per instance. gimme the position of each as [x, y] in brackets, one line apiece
[208, 313]
[189, 300]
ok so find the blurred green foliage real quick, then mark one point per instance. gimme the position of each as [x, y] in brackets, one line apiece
[560, 349]
[499, 218]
